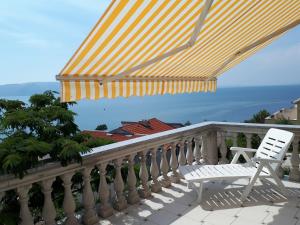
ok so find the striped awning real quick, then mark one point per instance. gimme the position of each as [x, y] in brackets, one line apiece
[148, 47]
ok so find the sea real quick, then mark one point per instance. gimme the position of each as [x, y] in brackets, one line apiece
[231, 104]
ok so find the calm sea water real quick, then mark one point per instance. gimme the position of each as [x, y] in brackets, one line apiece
[227, 104]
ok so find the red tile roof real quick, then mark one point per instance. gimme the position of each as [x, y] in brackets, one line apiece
[145, 127]
[137, 129]
[108, 136]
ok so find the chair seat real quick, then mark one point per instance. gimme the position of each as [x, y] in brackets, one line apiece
[218, 172]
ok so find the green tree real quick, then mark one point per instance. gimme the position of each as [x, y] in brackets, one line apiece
[101, 127]
[28, 132]
[259, 117]
[187, 123]
[31, 131]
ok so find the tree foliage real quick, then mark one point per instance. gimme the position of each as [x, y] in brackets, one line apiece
[259, 117]
[43, 127]
[101, 127]
[29, 132]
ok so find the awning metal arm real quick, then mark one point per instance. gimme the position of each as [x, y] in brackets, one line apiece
[127, 78]
[255, 44]
[191, 42]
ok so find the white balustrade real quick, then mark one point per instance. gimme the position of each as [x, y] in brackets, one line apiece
[188, 145]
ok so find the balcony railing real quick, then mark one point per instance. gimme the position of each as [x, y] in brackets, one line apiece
[158, 155]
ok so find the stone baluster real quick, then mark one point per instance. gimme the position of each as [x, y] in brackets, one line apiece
[181, 155]
[175, 178]
[120, 202]
[212, 154]
[164, 168]
[144, 190]
[197, 152]
[223, 148]
[48, 212]
[248, 140]
[69, 203]
[89, 217]
[154, 171]
[133, 196]
[189, 151]
[25, 214]
[295, 173]
[204, 159]
[235, 139]
[105, 209]
[261, 136]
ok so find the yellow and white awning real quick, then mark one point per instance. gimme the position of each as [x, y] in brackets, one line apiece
[148, 47]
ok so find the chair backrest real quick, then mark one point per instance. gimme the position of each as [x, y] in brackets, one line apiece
[274, 145]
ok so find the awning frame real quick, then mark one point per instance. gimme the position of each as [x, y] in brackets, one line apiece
[126, 74]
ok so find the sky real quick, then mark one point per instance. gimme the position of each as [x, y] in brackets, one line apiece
[38, 37]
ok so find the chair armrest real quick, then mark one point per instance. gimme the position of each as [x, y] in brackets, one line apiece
[243, 149]
[266, 160]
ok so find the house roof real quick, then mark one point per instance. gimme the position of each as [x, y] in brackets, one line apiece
[145, 127]
[109, 136]
[130, 130]
[296, 101]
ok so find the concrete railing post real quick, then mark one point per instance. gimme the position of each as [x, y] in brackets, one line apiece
[164, 168]
[133, 196]
[154, 171]
[105, 209]
[212, 148]
[189, 151]
[48, 212]
[25, 214]
[223, 148]
[89, 217]
[69, 203]
[295, 173]
[120, 200]
[175, 178]
[144, 190]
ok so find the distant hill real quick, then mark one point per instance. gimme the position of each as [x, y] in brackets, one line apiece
[27, 89]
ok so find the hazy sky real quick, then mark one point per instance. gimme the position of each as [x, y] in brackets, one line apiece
[38, 37]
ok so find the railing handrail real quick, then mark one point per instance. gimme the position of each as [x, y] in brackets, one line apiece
[132, 146]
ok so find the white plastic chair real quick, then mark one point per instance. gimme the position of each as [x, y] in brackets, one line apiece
[264, 164]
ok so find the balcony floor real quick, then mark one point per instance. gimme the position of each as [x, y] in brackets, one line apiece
[177, 205]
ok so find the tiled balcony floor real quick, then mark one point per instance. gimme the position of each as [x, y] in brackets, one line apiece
[177, 206]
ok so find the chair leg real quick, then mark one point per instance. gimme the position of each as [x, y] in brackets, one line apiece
[189, 185]
[251, 184]
[277, 180]
[199, 192]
